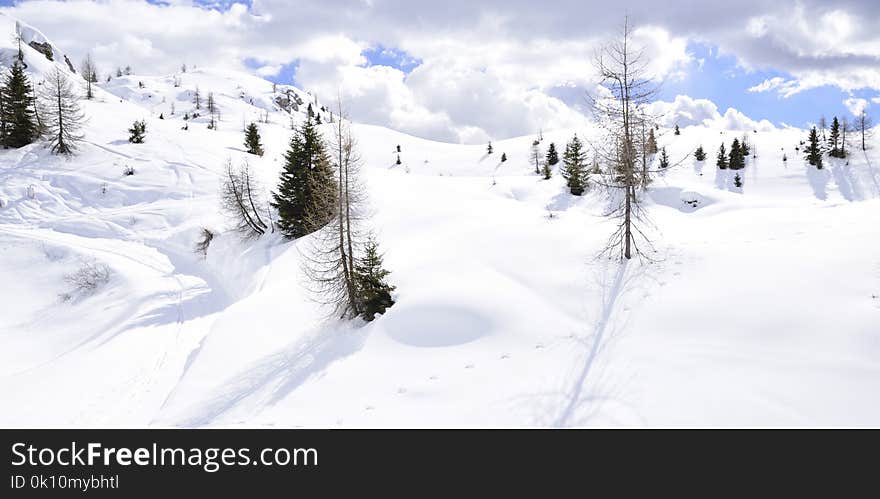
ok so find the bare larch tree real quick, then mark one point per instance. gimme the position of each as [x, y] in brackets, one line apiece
[620, 111]
[242, 199]
[63, 117]
[330, 259]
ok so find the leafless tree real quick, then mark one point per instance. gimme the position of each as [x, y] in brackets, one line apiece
[330, 258]
[863, 125]
[620, 110]
[242, 199]
[535, 156]
[60, 108]
[90, 74]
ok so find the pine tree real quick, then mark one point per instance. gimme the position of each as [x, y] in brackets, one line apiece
[677, 131]
[744, 148]
[574, 166]
[305, 198]
[374, 293]
[737, 180]
[398, 160]
[651, 148]
[834, 139]
[552, 156]
[18, 107]
[489, 148]
[503, 157]
[64, 119]
[664, 159]
[737, 162]
[546, 171]
[197, 98]
[535, 156]
[700, 154]
[137, 132]
[814, 150]
[721, 161]
[252, 140]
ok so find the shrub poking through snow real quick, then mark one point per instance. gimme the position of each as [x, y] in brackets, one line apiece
[128, 171]
[700, 154]
[85, 280]
[204, 242]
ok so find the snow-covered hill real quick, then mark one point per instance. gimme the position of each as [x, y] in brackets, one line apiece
[762, 306]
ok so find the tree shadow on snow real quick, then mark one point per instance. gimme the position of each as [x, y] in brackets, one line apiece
[275, 376]
[587, 388]
[818, 181]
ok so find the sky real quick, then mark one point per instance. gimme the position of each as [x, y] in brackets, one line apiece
[473, 70]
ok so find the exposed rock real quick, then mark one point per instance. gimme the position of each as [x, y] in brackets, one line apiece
[44, 48]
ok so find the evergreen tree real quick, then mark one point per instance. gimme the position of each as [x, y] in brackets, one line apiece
[137, 132]
[374, 293]
[814, 150]
[197, 98]
[252, 140]
[574, 166]
[721, 161]
[664, 159]
[503, 157]
[398, 148]
[64, 117]
[489, 148]
[305, 198]
[651, 148]
[677, 131]
[737, 180]
[18, 108]
[737, 161]
[398, 160]
[700, 154]
[834, 139]
[552, 156]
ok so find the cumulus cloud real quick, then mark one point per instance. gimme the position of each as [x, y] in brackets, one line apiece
[856, 105]
[686, 111]
[492, 68]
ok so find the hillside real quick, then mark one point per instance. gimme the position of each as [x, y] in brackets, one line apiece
[760, 306]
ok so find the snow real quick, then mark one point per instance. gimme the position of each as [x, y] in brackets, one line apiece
[760, 306]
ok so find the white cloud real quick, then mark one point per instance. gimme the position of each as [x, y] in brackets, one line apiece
[855, 105]
[489, 68]
[686, 111]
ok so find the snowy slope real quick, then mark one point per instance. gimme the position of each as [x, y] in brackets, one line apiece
[761, 307]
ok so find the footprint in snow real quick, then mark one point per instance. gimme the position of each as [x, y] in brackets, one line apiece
[539, 346]
[401, 390]
[369, 408]
[433, 378]
[505, 356]
[676, 273]
[469, 366]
